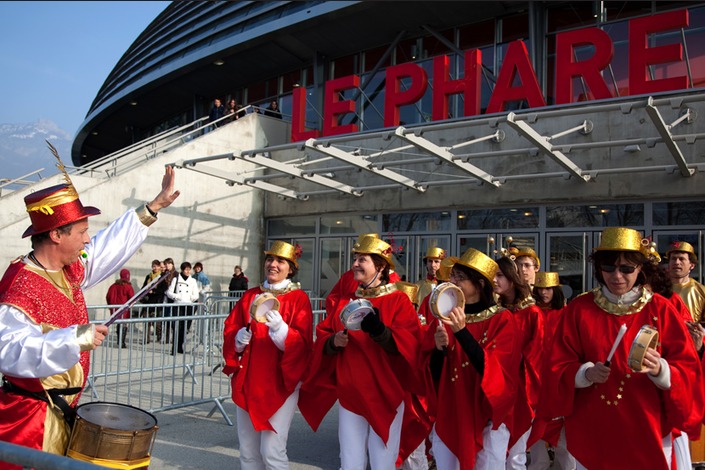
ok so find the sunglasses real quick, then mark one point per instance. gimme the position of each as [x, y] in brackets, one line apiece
[623, 268]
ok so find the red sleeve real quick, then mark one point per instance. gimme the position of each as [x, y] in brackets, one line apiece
[238, 318]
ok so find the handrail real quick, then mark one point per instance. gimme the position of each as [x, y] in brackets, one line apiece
[21, 181]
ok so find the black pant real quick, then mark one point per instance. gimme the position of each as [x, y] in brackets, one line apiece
[180, 327]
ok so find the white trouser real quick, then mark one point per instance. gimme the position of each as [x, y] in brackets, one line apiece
[491, 457]
[266, 450]
[516, 459]
[666, 445]
[417, 459]
[357, 439]
[562, 458]
[681, 449]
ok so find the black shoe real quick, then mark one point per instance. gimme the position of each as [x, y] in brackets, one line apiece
[124, 346]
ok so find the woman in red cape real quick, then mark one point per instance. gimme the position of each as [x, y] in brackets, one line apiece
[367, 370]
[474, 359]
[616, 417]
[267, 358]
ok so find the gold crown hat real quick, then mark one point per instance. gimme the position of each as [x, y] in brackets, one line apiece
[375, 246]
[55, 206]
[365, 235]
[443, 273]
[525, 251]
[410, 289]
[435, 253]
[627, 239]
[547, 279]
[480, 262]
[685, 247]
[285, 250]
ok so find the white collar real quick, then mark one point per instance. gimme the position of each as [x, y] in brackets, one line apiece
[624, 299]
[278, 286]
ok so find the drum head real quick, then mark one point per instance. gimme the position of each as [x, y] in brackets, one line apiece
[647, 337]
[444, 298]
[262, 304]
[353, 313]
[116, 416]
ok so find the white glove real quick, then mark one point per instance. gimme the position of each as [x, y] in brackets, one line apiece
[274, 320]
[243, 337]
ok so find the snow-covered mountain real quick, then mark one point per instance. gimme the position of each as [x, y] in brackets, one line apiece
[23, 149]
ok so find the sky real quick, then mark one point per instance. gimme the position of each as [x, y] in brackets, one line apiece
[55, 56]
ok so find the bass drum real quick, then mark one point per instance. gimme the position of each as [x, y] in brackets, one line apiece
[111, 431]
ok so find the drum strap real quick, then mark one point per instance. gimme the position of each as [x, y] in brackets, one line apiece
[56, 395]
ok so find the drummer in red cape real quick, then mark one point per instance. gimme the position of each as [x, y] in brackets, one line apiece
[616, 417]
[267, 357]
[473, 355]
[45, 338]
[366, 370]
[514, 294]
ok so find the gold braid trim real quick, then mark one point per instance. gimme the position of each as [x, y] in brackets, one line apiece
[621, 310]
[484, 315]
[291, 287]
[527, 302]
[373, 292]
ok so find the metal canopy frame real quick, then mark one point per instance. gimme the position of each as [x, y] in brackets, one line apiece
[482, 152]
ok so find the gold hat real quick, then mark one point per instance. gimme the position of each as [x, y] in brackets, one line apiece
[443, 273]
[409, 289]
[365, 235]
[547, 279]
[525, 251]
[285, 250]
[480, 262]
[435, 253]
[627, 239]
[685, 247]
[375, 246]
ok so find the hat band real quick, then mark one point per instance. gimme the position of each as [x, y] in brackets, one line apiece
[45, 205]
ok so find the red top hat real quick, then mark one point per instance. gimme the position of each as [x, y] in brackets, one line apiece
[53, 207]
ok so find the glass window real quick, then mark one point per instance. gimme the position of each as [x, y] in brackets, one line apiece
[294, 226]
[373, 56]
[477, 35]
[599, 215]
[345, 66]
[481, 219]
[305, 274]
[418, 221]
[679, 213]
[352, 224]
[333, 263]
[571, 15]
[515, 27]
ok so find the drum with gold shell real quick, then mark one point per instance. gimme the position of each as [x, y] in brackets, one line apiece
[262, 304]
[444, 298]
[647, 337]
[353, 313]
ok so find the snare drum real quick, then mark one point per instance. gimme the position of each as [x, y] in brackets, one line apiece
[262, 304]
[444, 298]
[646, 338]
[353, 313]
[112, 432]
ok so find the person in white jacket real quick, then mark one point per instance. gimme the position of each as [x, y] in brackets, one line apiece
[183, 290]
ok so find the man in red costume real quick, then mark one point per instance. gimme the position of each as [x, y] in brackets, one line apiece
[45, 338]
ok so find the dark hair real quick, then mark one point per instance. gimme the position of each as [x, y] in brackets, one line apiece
[510, 271]
[39, 238]
[156, 261]
[185, 265]
[558, 300]
[659, 281]
[481, 284]
[198, 265]
[168, 260]
[381, 265]
[637, 258]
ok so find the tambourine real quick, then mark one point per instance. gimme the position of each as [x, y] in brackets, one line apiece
[353, 313]
[444, 298]
[262, 304]
[646, 338]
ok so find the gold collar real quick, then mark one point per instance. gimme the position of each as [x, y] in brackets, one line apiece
[621, 310]
[522, 304]
[373, 292]
[291, 287]
[484, 315]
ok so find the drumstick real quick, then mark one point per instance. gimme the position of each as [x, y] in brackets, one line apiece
[620, 334]
[135, 298]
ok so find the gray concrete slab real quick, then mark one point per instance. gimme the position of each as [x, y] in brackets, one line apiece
[190, 440]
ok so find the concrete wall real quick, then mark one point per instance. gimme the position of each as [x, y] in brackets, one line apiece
[211, 222]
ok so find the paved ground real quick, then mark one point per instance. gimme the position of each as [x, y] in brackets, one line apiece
[189, 439]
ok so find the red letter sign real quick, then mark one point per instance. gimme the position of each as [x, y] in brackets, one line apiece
[334, 108]
[567, 68]
[641, 56]
[516, 62]
[394, 98]
[298, 117]
[469, 86]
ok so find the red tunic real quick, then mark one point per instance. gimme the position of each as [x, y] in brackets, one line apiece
[466, 401]
[264, 376]
[619, 424]
[22, 418]
[365, 379]
[344, 290]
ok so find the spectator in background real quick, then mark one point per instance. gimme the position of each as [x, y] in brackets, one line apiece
[238, 282]
[217, 112]
[233, 110]
[167, 311]
[183, 290]
[155, 296]
[204, 284]
[273, 110]
[120, 292]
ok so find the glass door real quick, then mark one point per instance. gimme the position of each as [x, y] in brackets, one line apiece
[567, 254]
[664, 238]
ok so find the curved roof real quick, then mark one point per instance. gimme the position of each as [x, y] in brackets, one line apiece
[171, 64]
